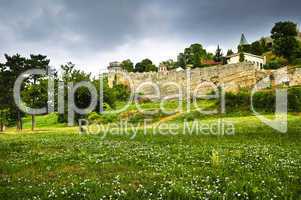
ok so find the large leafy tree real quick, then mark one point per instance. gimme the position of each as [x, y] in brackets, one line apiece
[146, 65]
[35, 96]
[256, 48]
[35, 91]
[193, 55]
[110, 95]
[82, 95]
[127, 65]
[181, 62]
[285, 42]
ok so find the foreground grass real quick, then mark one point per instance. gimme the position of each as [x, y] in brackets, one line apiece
[58, 163]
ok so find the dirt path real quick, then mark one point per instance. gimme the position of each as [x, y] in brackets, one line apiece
[169, 118]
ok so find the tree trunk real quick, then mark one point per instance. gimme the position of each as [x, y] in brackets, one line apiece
[33, 122]
[19, 121]
[1, 123]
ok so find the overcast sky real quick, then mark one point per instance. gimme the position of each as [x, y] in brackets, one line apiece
[92, 33]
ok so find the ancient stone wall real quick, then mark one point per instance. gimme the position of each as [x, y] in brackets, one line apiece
[232, 76]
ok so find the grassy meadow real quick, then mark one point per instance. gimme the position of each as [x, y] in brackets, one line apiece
[56, 162]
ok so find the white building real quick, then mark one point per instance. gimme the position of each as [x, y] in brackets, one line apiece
[258, 61]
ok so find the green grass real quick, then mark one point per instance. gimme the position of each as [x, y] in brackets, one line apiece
[170, 105]
[58, 163]
[43, 121]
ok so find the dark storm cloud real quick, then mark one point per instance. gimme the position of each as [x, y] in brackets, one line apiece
[82, 27]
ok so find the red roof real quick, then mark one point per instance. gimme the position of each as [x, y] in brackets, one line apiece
[211, 62]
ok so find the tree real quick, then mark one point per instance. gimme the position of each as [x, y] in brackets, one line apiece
[230, 52]
[241, 57]
[256, 48]
[145, 65]
[14, 66]
[170, 64]
[127, 65]
[35, 96]
[247, 48]
[109, 95]
[35, 92]
[181, 61]
[82, 96]
[4, 101]
[264, 46]
[193, 55]
[218, 57]
[285, 42]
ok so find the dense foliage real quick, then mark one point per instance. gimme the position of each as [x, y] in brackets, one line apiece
[193, 56]
[285, 42]
[263, 101]
[256, 48]
[146, 65]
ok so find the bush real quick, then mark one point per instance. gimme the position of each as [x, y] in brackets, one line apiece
[297, 61]
[263, 101]
[122, 92]
[102, 118]
[276, 63]
[294, 99]
[239, 101]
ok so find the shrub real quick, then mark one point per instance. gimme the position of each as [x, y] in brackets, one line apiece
[297, 61]
[263, 101]
[122, 92]
[102, 118]
[294, 99]
[276, 63]
[237, 101]
[93, 116]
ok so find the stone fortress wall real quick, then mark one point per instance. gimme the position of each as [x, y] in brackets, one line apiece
[233, 77]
